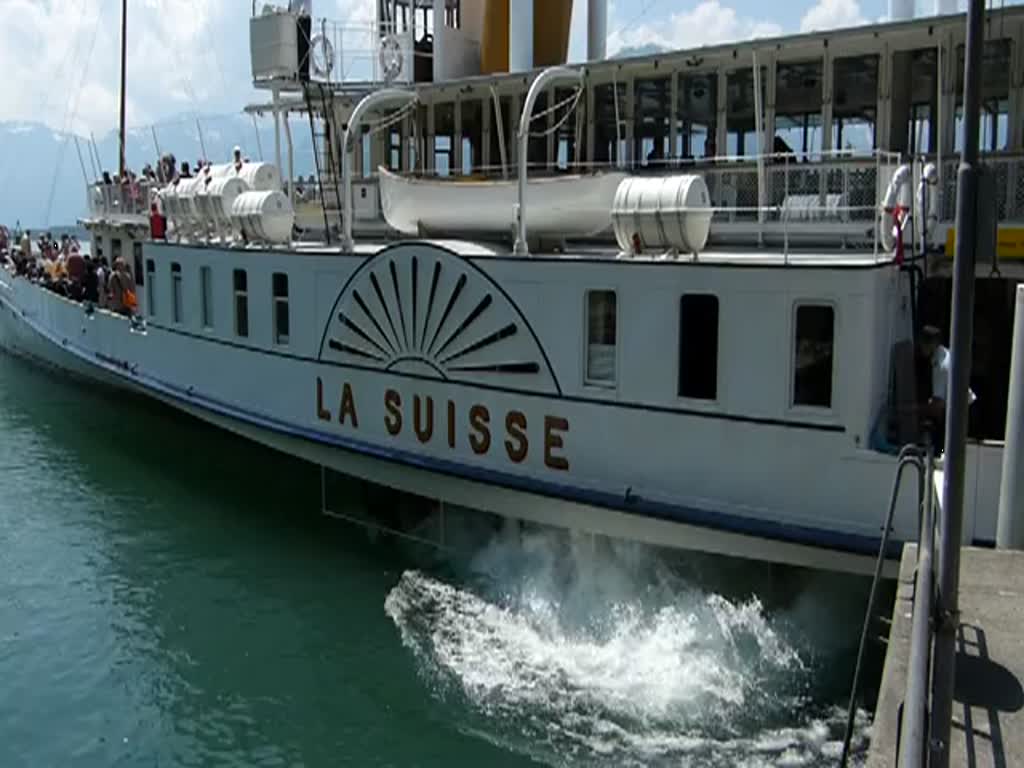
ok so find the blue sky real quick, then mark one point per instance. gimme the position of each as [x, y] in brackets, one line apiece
[60, 57]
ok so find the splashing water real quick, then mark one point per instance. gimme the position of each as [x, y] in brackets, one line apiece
[578, 654]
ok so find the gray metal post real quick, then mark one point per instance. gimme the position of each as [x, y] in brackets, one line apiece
[1010, 530]
[947, 602]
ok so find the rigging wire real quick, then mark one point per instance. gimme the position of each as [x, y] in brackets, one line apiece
[70, 113]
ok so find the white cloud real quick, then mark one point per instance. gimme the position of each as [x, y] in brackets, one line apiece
[832, 14]
[708, 23]
[62, 57]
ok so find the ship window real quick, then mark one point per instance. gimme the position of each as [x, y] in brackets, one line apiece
[281, 319]
[609, 120]
[698, 346]
[206, 296]
[813, 355]
[176, 292]
[115, 249]
[653, 110]
[601, 322]
[444, 136]
[98, 247]
[994, 133]
[740, 122]
[241, 284]
[798, 102]
[697, 111]
[137, 258]
[915, 77]
[854, 103]
[472, 134]
[150, 279]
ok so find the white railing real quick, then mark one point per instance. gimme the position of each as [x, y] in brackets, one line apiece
[1009, 173]
[121, 199]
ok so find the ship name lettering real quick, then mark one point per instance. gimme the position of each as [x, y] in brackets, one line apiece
[476, 431]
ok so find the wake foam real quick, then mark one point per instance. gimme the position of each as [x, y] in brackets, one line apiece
[601, 655]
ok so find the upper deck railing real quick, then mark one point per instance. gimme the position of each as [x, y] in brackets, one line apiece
[117, 200]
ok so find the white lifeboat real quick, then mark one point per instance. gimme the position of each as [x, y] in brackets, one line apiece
[576, 205]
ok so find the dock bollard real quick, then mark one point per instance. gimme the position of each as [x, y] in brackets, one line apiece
[1010, 528]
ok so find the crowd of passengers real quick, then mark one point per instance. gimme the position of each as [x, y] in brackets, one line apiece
[61, 267]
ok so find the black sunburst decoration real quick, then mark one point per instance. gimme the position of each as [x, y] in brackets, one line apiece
[420, 309]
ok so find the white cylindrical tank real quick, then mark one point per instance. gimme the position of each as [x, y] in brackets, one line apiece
[597, 30]
[259, 177]
[662, 213]
[217, 200]
[264, 216]
[520, 35]
[902, 10]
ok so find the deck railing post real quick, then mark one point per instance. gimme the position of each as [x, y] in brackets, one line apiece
[545, 79]
[961, 342]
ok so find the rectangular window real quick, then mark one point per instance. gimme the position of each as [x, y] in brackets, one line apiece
[241, 284]
[814, 355]
[854, 103]
[176, 312]
[137, 258]
[98, 247]
[698, 347]
[281, 320]
[150, 279]
[206, 296]
[601, 322]
[115, 249]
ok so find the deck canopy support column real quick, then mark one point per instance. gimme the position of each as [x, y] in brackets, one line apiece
[548, 77]
[375, 100]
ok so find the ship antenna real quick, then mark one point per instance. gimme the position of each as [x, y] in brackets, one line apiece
[124, 79]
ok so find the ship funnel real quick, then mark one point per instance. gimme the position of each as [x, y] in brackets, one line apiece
[902, 10]
[597, 29]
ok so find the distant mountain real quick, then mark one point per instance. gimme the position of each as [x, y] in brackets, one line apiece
[41, 183]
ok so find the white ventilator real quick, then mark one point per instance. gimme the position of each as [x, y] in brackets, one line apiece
[667, 213]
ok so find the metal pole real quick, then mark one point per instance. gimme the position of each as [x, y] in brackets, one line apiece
[202, 142]
[1010, 529]
[81, 162]
[156, 145]
[124, 84]
[962, 336]
[259, 143]
[96, 152]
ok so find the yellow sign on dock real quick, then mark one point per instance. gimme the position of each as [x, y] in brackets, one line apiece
[1010, 243]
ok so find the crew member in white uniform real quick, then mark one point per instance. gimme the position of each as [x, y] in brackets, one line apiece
[939, 360]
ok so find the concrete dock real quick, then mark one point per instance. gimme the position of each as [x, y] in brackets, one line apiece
[988, 722]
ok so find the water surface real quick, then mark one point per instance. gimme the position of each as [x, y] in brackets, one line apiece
[169, 596]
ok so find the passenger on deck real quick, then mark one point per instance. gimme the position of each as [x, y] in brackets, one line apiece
[933, 409]
[122, 289]
[237, 159]
[185, 172]
[157, 223]
[102, 275]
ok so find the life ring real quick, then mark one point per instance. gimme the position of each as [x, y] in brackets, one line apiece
[321, 55]
[391, 57]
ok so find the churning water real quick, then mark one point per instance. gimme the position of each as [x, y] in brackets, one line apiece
[573, 651]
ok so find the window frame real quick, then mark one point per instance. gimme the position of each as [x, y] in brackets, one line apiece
[690, 399]
[206, 314]
[601, 384]
[151, 287]
[240, 295]
[279, 339]
[177, 294]
[801, 408]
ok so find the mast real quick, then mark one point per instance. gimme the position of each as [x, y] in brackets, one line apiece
[124, 81]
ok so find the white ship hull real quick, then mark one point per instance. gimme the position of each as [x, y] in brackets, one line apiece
[562, 206]
[791, 490]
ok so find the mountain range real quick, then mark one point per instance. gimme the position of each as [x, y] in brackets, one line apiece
[41, 181]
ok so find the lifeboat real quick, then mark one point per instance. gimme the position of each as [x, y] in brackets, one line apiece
[577, 205]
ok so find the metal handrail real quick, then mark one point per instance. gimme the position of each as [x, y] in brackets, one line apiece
[910, 455]
[914, 728]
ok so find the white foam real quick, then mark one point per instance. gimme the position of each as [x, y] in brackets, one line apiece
[603, 656]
